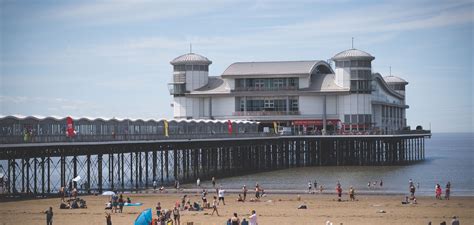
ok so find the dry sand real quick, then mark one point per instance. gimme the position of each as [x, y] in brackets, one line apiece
[275, 209]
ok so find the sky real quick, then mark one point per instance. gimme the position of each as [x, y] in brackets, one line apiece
[111, 58]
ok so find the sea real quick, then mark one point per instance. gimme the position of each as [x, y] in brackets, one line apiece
[449, 157]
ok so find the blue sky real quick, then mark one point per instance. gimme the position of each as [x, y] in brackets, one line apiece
[111, 58]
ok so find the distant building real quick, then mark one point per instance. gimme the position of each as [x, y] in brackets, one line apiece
[307, 95]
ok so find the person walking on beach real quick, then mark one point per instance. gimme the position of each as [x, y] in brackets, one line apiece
[221, 196]
[154, 185]
[204, 198]
[309, 187]
[447, 191]
[214, 206]
[198, 182]
[315, 185]
[381, 183]
[253, 218]
[257, 191]
[213, 182]
[339, 192]
[352, 193]
[49, 216]
[244, 190]
[108, 219]
[368, 185]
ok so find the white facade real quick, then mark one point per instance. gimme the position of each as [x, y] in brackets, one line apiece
[294, 93]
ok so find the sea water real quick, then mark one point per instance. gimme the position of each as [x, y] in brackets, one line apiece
[449, 157]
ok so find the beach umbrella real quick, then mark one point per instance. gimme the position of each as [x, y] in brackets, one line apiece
[76, 179]
[144, 218]
[108, 193]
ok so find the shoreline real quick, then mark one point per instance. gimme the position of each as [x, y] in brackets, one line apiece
[271, 209]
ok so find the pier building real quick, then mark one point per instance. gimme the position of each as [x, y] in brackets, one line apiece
[310, 96]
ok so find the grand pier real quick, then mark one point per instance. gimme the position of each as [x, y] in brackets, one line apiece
[41, 159]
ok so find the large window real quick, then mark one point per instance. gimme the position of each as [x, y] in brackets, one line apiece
[177, 68]
[266, 84]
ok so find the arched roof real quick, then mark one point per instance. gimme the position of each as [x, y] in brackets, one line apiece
[56, 118]
[384, 85]
[276, 68]
[352, 54]
[394, 79]
[190, 58]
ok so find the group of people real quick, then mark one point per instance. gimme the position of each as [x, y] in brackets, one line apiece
[439, 191]
[116, 203]
[373, 184]
[314, 186]
[339, 192]
[164, 216]
[235, 220]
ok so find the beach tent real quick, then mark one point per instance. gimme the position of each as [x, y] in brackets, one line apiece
[144, 218]
[108, 193]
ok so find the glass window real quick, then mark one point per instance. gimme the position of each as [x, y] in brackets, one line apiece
[361, 119]
[294, 105]
[278, 83]
[189, 67]
[259, 83]
[347, 118]
[353, 118]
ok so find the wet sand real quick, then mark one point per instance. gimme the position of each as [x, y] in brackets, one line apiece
[273, 209]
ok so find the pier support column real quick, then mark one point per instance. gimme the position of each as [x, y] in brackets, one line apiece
[99, 172]
[49, 175]
[88, 162]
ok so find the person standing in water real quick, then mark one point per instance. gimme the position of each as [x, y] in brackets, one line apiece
[244, 190]
[447, 191]
[213, 182]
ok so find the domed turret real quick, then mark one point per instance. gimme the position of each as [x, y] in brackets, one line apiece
[396, 83]
[191, 59]
[190, 72]
[351, 54]
[354, 70]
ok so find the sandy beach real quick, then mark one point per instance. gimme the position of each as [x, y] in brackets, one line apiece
[273, 209]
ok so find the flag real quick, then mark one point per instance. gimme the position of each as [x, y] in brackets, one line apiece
[166, 128]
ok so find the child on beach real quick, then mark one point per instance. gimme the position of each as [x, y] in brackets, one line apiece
[108, 219]
[214, 206]
[352, 193]
[244, 190]
[49, 216]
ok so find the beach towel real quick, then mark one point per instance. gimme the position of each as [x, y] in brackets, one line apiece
[133, 204]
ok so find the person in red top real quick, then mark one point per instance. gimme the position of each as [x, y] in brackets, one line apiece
[339, 192]
[438, 191]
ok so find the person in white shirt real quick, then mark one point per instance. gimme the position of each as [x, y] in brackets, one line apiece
[221, 196]
[253, 218]
[198, 182]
